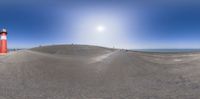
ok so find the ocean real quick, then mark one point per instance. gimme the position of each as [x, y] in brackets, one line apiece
[167, 50]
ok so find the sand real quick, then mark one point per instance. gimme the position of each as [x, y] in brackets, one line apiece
[91, 72]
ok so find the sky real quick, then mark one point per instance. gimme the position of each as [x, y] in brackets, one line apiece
[132, 24]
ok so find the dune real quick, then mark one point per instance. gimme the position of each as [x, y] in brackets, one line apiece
[92, 72]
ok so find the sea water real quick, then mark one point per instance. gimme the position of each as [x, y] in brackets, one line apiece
[167, 50]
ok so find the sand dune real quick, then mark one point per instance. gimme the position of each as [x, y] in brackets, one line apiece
[91, 72]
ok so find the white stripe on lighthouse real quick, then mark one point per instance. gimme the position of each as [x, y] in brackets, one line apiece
[3, 37]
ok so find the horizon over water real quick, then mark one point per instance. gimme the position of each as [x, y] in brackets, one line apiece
[168, 50]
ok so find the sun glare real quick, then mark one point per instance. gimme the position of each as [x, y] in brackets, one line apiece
[100, 28]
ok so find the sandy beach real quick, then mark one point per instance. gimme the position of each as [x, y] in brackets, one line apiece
[91, 72]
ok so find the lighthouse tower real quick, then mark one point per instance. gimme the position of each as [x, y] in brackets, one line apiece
[3, 42]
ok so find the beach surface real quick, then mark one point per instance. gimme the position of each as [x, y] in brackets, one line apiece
[92, 72]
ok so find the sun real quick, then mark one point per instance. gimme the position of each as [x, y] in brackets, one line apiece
[100, 28]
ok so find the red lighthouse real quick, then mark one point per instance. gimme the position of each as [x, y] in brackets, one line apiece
[3, 42]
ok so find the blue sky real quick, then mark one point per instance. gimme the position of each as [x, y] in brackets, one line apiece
[127, 23]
